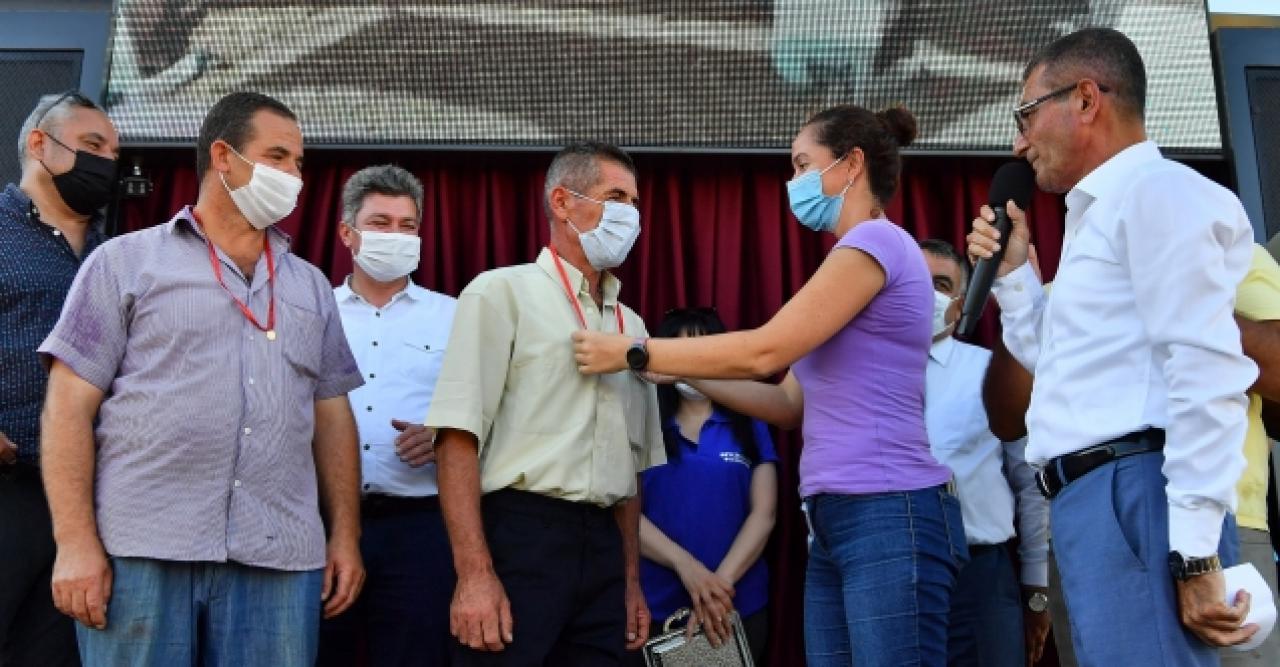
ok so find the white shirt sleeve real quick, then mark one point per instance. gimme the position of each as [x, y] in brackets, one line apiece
[1021, 298]
[1032, 515]
[1188, 246]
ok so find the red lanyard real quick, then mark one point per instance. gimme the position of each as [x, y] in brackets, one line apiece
[573, 299]
[270, 327]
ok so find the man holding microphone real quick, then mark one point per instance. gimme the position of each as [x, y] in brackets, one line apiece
[1137, 415]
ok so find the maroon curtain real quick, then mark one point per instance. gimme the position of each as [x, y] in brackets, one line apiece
[717, 231]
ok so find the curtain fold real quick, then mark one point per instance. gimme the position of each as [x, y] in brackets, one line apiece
[717, 230]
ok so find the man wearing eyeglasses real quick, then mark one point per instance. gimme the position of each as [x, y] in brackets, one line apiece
[49, 222]
[1137, 416]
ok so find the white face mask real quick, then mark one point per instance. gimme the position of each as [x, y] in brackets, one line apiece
[941, 302]
[268, 197]
[387, 256]
[689, 393]
[607, 245]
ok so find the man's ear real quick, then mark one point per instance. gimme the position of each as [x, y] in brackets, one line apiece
[558, 202]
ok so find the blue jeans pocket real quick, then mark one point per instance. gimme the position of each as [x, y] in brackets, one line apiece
[954, 521]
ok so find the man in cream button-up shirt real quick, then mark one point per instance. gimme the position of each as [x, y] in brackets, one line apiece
[548, 559]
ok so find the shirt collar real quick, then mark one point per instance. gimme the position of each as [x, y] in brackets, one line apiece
[718, 416]
[942, 350]
[609, 284]
[412, 292]
[1110, 176]
[17, 201]
[185, 219]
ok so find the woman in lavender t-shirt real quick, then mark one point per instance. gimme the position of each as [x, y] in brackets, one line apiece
[887, 536]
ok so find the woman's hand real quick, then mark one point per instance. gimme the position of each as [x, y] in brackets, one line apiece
[597, 353]
[712, 597]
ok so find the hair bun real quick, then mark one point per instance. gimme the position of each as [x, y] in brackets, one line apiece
[900, 124]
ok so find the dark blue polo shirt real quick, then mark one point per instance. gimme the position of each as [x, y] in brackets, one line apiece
[37, 266]
[700, 501]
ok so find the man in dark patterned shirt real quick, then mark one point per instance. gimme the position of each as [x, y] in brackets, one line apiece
[197, 424]
[48, 223]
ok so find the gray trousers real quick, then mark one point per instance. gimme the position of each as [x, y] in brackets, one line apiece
[1255, 548]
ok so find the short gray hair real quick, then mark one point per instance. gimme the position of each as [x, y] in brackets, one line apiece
[50, 112]
[383, 179]
[577, 167]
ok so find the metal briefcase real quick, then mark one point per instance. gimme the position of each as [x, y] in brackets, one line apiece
[673, 649]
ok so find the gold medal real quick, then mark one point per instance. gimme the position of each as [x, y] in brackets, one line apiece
[271, 335]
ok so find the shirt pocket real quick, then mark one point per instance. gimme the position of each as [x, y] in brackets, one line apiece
[300, 334]
[420, 359]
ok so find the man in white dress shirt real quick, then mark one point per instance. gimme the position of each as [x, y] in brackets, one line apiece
[397, 331]
[1137, 416]
[994, 484]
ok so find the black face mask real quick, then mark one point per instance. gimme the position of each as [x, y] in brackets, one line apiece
[90, 183]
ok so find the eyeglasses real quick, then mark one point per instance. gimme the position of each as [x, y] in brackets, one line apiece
[1023, 111]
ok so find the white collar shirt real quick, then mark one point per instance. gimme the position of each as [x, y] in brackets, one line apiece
[1139, 331]
[993, 481]
[399, 349]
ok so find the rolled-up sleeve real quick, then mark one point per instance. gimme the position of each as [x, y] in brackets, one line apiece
[92, 332]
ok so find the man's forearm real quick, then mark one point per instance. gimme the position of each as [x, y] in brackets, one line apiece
[68, 464]
[1261, 343]
[458, 465]
[1006, 394]
[337, 457]
[628, 515]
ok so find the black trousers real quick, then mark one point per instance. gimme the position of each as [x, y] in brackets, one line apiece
[561, 565]
[32, 630]
[401, 618]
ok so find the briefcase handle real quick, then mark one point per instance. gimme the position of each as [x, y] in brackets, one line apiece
[679, 615]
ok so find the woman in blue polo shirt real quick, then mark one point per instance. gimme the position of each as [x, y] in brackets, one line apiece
[708, 512]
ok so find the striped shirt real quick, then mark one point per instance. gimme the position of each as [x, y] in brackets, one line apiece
[37, 266]
[204, 438]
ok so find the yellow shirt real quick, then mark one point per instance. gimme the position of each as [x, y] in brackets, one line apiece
[1258, 298]
[509, 378]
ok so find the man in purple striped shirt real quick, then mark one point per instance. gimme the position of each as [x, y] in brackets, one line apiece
[197, 423]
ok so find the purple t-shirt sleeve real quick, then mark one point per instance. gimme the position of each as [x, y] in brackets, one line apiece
[880, 239]
[91, 333]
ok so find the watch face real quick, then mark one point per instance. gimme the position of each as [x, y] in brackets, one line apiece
[637, 357]
[1038, 602]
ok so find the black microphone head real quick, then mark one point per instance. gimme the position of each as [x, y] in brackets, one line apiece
[1013, 180]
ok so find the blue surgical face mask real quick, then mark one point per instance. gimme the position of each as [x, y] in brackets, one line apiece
[812, 207]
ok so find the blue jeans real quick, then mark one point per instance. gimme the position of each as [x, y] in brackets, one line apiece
[210, 614]
[881, 571]
[986, 612]
[1111, 542]
[402, 615]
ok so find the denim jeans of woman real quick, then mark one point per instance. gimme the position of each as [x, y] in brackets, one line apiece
[881, 571]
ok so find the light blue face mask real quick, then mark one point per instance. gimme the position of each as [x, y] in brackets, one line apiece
[812, 207]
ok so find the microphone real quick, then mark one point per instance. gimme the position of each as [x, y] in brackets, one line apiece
[1013, 180]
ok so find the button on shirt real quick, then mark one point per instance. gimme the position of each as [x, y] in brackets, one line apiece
[509, 379]
[1139, 331]
[400, 372]
[961, 439]
[204, 438]
[37, 266]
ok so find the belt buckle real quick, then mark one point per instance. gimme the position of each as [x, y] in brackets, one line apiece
[1042, 482]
